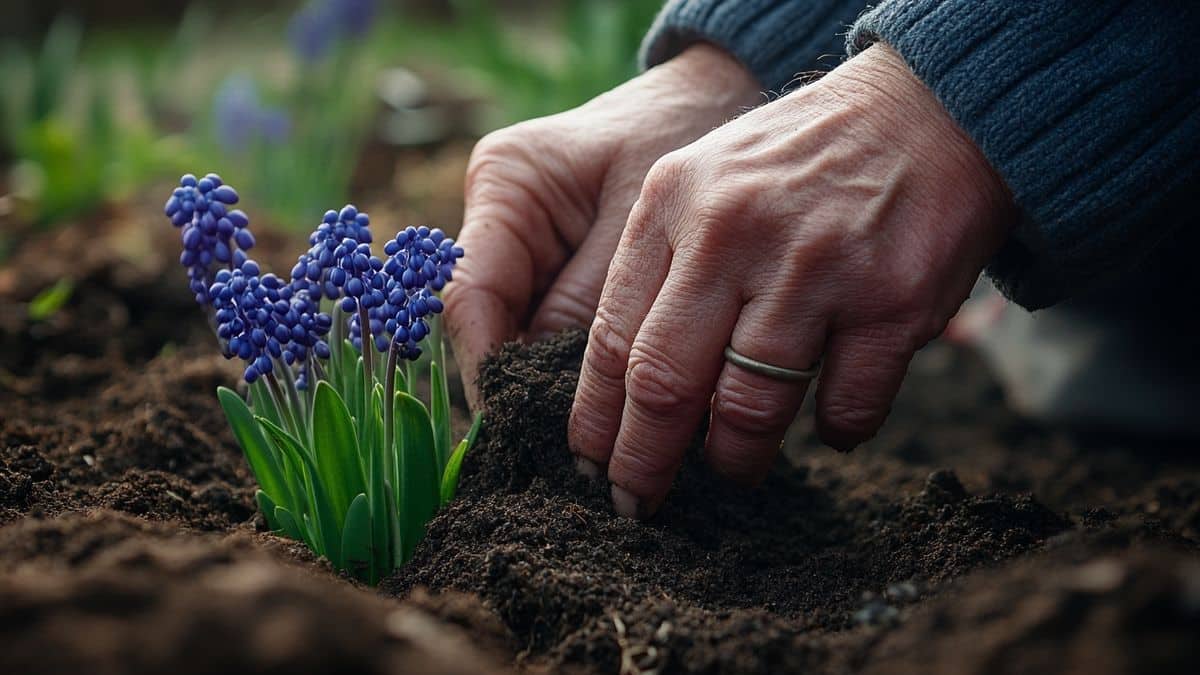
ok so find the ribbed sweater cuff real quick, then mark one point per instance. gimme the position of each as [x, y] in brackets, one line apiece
[775, 40]
[1089, 110]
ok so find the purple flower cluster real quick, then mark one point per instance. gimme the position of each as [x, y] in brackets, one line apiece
[335, 244]
[321, 23]
[211, 232]
[399, 296]
[263, 320]
[241, 119]
[273, 324]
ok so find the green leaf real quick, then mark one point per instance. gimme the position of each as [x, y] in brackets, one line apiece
[351, 373]
[290, 527]
[47, 302]
[335, 448]
[396, 554]
[439, 409]
[401, 380]
[454, 466]
[312, 497]
[262, 404]
[268, 509]
[334, 367]
[379, 473]
[249, 435]
[356, 540]
[419, 483]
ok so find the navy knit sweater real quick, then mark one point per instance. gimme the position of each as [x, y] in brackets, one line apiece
[1089, 110]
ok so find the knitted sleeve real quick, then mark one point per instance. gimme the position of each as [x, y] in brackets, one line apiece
[776, 39]
[1090, 111]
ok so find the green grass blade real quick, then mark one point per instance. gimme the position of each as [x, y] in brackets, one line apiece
[335, 448]
[356, 540]
[439, 411]
[258, 451]
[418, 498]
[47, 302]
[454, 466]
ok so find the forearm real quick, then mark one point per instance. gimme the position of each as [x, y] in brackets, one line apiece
[775, 39]
[1089, 111]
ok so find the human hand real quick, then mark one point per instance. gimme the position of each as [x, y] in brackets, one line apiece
[546, 200]
[848, 219]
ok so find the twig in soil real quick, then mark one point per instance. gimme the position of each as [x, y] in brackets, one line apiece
[574, 510]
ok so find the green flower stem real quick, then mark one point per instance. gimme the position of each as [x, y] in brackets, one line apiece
[389, 405]
[368, 346]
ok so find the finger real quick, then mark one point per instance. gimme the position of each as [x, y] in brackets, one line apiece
[509, 247]
[751, 412]
[575, 293]
[673, 366]
[638, 269]
[862, 372]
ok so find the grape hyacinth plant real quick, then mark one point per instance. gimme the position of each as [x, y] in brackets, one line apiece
[347, 458]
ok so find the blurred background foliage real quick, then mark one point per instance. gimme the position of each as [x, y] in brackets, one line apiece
[100, 99]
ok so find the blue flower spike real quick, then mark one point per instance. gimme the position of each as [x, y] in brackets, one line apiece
[311, 393]
[212, 234]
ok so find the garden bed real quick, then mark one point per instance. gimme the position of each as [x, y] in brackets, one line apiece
[962, 539]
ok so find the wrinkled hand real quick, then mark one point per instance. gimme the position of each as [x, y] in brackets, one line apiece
[846, 221]
[546, 200]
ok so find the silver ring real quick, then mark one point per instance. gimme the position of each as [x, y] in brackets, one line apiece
[775, 372]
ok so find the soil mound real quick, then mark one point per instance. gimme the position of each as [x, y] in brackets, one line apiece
[796, 575]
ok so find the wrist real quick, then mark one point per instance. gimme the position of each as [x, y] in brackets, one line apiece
[708, 76]
[905, 112]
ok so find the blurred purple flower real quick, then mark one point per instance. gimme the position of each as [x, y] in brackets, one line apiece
[242, 119]
[315, 28]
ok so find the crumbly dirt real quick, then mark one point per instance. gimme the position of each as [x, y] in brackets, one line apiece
[962, 539]
[799, 575]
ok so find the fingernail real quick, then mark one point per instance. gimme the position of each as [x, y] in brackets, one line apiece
[625, 503]
[587, 468]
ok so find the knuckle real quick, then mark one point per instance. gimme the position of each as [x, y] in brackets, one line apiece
[751, 409]
[608, 347]
[655, 386]
[491, 147]
[495, 151]
[666, 177]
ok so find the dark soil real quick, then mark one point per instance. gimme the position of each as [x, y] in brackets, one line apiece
[803, 574]
[962, 539]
